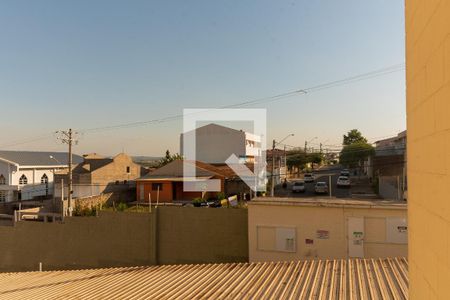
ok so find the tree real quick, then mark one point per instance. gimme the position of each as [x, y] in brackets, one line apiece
[169, 158]
[354, 154]
[297, 159]
[353, 136]
[315, 158]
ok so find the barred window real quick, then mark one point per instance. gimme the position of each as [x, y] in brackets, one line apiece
[23, 179]
[44, 178]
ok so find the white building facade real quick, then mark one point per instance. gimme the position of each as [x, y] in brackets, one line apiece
[25, 175]
[215, 143]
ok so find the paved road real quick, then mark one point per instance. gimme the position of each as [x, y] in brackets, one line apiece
[321, 175]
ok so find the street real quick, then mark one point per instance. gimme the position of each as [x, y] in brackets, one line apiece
[320, 175]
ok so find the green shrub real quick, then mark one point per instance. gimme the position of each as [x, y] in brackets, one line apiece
[122, 206]
[220, 196]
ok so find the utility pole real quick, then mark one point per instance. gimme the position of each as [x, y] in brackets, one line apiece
[67, 137]
[306, 145]
[272, 185]
[274, 144]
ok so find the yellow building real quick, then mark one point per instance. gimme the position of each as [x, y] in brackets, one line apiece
[428, 118]
[289, 229]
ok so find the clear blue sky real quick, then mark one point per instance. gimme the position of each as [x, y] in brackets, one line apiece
[91, 63]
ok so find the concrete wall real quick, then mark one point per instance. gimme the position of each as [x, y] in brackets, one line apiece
[202, 235]
[428, 110]
[390, 187]
[175, 235]
[308, 220]
[113, 239]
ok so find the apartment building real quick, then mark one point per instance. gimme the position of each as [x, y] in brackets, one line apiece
[428, 108]
[215, 143]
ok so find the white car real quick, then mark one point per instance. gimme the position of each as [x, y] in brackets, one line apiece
[345, 172]
[321, 188]
[298, 187]
[343, 181]
[308, 177]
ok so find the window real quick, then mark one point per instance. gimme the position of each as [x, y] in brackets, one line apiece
[44, 178]
[128, 169]
[2, 196]
[141, 192]
[2, 179]
[276, 239]
[156, 186]
[23, 179]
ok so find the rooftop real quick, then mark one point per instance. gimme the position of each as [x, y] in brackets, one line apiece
[315, 279]
[38, 158]
[329, 202]
[174, 170]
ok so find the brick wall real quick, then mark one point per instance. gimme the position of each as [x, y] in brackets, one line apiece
[428, 111]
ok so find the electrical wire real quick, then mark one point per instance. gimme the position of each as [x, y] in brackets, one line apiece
[279, 97]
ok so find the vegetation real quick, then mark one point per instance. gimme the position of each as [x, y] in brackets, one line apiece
[299, 159]
[80, 211]
[168, 158]
[197, 201]
[356, 149]
[220, 196]
[352, 137]
[122, 206]
[315, 158]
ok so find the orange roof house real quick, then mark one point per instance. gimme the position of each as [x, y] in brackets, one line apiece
[166, 183]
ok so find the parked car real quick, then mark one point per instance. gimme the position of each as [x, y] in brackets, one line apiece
[308, 177]
[345, 172]
[343, 181]
[298, 187]
[321, 187]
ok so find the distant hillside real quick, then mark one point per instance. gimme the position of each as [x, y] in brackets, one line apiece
[146, 161]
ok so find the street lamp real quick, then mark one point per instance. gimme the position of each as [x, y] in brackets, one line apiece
[274, 144]
[52, 157]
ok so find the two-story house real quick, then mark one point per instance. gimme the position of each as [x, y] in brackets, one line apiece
[97, 174]
[25, 175]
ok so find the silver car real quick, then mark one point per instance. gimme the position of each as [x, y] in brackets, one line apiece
[308, 177]
[321, 188]
[298, 187]
[343, 181]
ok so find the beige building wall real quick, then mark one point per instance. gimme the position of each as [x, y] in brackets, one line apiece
[428, 118]
[122, 168]
[321, 231]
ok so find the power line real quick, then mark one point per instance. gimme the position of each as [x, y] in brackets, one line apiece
[279, 97]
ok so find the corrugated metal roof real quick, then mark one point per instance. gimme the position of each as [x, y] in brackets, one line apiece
[38, 158]
[316, 279]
